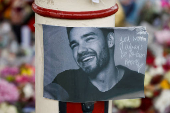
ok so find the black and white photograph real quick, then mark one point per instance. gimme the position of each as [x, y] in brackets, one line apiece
[84, 64]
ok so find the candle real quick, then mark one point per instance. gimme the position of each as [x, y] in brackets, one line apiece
[84, 18]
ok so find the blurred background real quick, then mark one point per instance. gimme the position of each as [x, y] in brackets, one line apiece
[17, 54]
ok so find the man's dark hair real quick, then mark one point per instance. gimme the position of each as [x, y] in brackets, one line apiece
[68, 30]
[105, 31]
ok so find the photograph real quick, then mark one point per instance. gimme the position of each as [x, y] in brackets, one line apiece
[84, 64]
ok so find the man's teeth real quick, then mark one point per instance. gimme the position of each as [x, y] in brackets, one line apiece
[87, 58]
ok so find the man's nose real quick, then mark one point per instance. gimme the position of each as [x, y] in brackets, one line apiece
[81, 49]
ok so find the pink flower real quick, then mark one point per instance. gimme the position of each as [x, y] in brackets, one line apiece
[163, 37]
[25, 79]
[165, 3]
[8, 92]
[9, 71]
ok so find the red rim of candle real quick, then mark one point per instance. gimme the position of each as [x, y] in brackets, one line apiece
[74, 15]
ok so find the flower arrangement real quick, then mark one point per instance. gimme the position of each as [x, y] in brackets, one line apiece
[17, 92]
[8, 92]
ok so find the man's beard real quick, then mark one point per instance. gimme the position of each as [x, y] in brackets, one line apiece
[101, 61]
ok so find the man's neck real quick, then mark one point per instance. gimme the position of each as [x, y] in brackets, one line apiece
[106, 78]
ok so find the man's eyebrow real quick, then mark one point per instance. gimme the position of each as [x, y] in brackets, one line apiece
[88, 34]
[85, 35]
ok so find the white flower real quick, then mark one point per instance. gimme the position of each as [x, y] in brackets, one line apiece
[147, 79]
[28, 91]
[11, 109]
[148, 93]
[127, 103]
[167, 76]
[159, 60]
[162, 102]
[156, 71]
[5, 108]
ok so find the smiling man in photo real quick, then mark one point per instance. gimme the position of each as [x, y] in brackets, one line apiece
[97, 77]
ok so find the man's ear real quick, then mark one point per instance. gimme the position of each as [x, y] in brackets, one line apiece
[110, 39]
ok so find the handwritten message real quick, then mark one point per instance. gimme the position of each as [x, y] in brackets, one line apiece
[131, 49]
